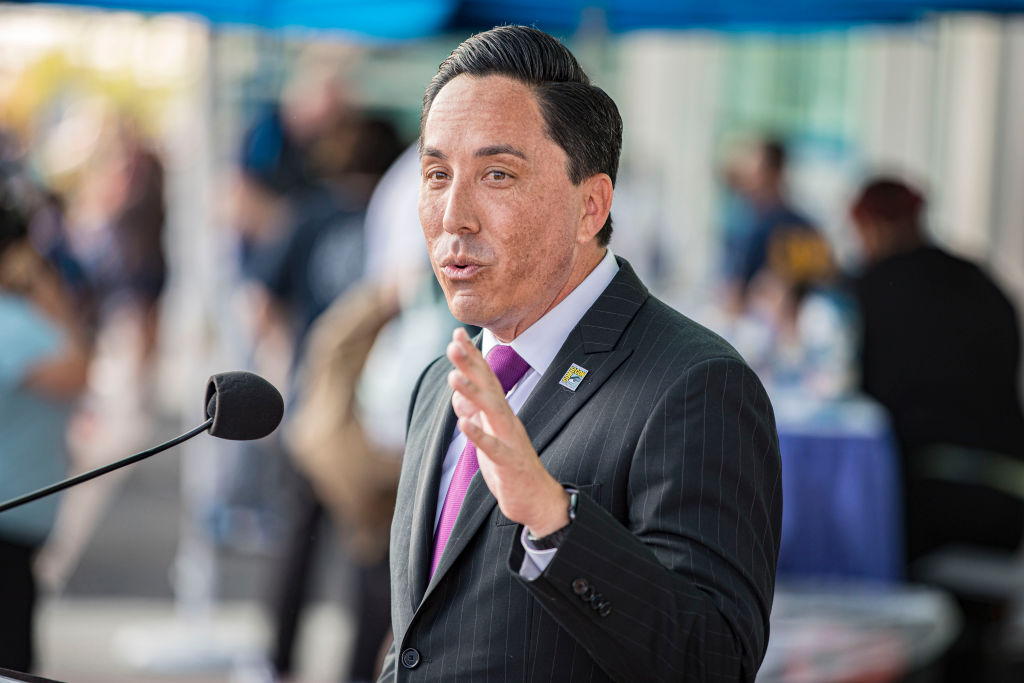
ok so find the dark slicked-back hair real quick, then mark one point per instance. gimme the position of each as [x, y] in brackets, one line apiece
[580, 118]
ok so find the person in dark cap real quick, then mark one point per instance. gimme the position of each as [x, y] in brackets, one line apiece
[941, 351]
[941, 346]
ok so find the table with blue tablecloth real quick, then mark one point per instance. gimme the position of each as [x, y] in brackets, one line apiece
[841, 483]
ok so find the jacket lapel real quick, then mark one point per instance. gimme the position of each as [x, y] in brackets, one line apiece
[591, 345]
[422, 544]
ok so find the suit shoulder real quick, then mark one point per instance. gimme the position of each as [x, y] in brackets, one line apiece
[436, 371]
[679, 341]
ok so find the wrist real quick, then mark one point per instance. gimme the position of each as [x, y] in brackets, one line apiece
[553, 516]
[554, 539]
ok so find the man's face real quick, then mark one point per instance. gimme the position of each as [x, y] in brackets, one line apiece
[499, 212]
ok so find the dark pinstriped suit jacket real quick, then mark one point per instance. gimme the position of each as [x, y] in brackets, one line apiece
[668, 571]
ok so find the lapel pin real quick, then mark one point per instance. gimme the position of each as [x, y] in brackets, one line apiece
[573, 376]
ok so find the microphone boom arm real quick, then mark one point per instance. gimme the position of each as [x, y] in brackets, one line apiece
[92, 474]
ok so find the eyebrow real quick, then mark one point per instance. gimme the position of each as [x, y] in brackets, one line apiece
[492, 150]
[433, 152]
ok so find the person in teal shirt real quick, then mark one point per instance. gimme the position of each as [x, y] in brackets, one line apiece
[43, 365]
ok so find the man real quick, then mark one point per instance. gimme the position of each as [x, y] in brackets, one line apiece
[757, 176]
[623, 525]
[941, 351]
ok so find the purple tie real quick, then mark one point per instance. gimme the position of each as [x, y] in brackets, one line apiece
[509, 368]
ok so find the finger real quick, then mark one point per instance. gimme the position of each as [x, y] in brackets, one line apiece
[463, 354]
[467, 359]
[462, 347]
[463, 407]
[488, 444]
[486, 398]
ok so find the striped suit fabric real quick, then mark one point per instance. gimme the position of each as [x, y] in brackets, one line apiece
[667, 572]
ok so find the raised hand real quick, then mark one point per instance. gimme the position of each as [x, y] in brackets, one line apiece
[525, 491]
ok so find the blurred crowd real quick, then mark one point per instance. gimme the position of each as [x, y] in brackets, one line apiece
[922, 332]
[81, 275]
[343, 310]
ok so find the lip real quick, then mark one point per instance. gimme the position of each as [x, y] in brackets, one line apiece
[459, 267]
[460, 272]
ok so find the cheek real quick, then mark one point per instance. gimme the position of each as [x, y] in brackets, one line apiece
[540, 239]
[430, 218]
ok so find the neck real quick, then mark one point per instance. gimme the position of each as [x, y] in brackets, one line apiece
[898, 242]
[583, 267]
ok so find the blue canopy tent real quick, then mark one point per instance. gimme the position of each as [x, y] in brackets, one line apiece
[391, 20]
[729, 15]
[381, 20]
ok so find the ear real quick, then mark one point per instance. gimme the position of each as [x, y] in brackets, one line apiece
[596, 203]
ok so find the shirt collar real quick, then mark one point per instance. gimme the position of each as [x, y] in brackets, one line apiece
[539, 343]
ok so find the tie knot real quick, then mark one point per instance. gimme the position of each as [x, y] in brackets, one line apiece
[508, 365]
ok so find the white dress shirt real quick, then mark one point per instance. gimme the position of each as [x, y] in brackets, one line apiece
[537, 345]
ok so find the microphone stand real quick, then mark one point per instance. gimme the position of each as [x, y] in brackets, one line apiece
[92, 474]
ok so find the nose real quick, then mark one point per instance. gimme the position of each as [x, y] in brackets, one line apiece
[460, 208]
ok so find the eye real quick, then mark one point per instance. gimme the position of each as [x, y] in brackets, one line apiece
[437, 175]
[497, 175]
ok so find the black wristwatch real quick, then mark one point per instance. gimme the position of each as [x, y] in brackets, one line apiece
[554, 539]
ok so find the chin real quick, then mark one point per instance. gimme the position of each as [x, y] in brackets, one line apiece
[468, 310]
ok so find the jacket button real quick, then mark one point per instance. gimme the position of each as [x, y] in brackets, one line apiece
[604, 609]
[410, 658]
[580, 586]
[596, 600]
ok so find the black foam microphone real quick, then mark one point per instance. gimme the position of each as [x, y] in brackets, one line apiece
[243, 406]
[239, 406]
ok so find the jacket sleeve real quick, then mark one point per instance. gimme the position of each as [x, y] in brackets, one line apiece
[682, 589]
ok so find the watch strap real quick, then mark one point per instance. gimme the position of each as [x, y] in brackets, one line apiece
[555, 538]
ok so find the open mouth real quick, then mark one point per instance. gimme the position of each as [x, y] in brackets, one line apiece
[460, 271]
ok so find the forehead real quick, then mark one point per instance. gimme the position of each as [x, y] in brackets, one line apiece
[479, 110]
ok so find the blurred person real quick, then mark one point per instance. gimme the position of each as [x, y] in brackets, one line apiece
[114, 226]
[363, 358]
[760, 210]
[394, 240]
[809, 319]
[375, 148]
[319, 93]
[115, 223]
[364, 355]
[941, 351]
[43, 367]
[302, 239]
[47, 231]
[303, 251]
[118, 233]
[352, 476]
[139, 224]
